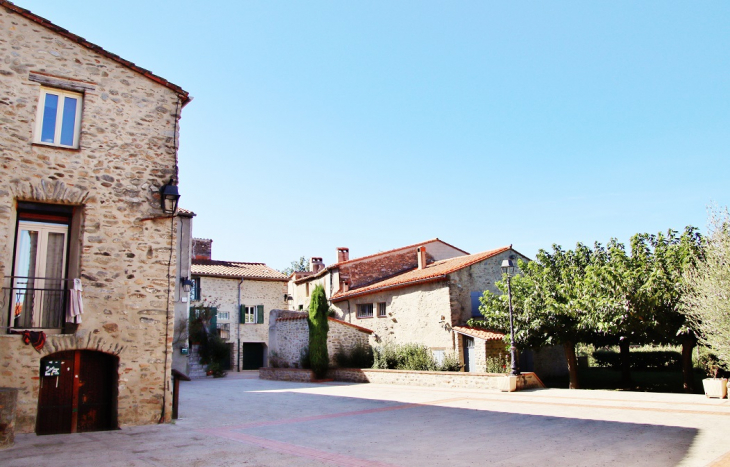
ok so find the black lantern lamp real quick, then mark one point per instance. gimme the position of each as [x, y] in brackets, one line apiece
[186, 284]
[508, 268]
[169, 196]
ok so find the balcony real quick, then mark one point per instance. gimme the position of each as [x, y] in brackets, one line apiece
[35, 302]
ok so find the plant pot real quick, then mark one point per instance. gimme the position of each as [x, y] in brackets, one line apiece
[715, 387]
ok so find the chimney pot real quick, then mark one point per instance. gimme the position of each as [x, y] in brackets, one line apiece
[316, 264]
[421, 257]
[343, 254]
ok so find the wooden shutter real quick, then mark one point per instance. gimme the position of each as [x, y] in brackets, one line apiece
[214, 321]
[242, 314]
[260, 314]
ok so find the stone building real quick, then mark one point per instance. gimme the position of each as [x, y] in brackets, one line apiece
[243, 294]
[88, 144]
[423, 293]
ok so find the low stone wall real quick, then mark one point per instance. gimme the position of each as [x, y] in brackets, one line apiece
[447, 379]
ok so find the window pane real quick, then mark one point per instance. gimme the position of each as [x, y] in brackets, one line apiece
[69, 121]
[48, 132]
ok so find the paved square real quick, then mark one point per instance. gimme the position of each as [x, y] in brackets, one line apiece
[241, 420]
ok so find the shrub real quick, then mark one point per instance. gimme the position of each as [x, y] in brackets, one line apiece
[304, 361]
[275, 361]
[449, 363]
[318, 328]
[357, 356]
[640, 360]
[413, 357]
[498, 364]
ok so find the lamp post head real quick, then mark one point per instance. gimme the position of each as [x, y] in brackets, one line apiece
[508, 267]
[186, 284]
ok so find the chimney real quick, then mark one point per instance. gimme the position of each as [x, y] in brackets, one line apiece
[202, 248]
[343, 254]
[316, 264]
[421, 257]
[344, 284]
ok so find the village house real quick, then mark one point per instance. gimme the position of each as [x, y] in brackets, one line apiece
[423, 293]
[88, 232]
[243, 295]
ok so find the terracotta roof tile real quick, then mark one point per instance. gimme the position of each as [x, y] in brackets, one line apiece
[431, 273]
[260, 271]
[185, 97]
[479, 333]
[374, 255]
[298, 316]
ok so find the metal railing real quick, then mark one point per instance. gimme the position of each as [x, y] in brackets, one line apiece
[35, 302]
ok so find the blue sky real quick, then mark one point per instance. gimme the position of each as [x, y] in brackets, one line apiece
[374, 125]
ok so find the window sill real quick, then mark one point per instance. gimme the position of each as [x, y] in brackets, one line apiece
[55, 146]
[364, 317]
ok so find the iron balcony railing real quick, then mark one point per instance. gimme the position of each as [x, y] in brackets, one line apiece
[35, 302]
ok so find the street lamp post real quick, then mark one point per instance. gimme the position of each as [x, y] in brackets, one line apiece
[508, 268]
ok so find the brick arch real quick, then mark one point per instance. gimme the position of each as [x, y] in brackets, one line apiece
[62, 342]
[49, 191]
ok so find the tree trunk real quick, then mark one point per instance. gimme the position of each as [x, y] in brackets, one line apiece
[625, 360]
[572, 364]
[688, 343]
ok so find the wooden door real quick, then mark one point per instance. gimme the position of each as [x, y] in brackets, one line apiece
[469, 352]
[82, 397]
[253, 355]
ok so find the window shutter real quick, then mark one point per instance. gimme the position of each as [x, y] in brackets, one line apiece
[214, 320]
[260, 314]
[242, 314]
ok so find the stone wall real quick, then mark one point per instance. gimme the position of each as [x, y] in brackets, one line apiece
[120, 245]
[290, 335]
[441, 379]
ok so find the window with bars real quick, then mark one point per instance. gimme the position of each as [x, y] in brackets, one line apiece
[382, 310]
[365, 310]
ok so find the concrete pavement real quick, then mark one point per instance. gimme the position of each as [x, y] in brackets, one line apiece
[241, 420]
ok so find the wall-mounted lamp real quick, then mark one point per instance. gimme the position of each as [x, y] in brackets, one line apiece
[169, 196]
[288, 298]
[186, 284]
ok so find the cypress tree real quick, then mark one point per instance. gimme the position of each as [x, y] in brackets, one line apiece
[318, 328]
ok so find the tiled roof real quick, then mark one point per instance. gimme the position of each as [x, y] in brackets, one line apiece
[479, 333]
[374, 255]
[298, 316]
[435, 271]
[83, 42]
[185, 212]
[260, 271]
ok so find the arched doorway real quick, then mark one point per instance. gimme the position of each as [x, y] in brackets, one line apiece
[78, 392]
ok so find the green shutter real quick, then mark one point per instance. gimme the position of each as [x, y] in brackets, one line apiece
[242, 314]
[214, 320]
[260, 314]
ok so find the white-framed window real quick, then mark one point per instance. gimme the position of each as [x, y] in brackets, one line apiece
[224, 316]
[365, 310]
[58, 119]
[252, 314]
[382, 310]
[40, 271]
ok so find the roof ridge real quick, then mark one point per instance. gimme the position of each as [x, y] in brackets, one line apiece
[96, 48]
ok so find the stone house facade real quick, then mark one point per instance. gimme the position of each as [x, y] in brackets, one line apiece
[243, 294]
[289, 336]
[88, 141]
[425, 304]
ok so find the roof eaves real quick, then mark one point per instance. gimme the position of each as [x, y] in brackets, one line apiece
[355, 293]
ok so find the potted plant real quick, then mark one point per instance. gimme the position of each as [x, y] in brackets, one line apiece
[714, 386]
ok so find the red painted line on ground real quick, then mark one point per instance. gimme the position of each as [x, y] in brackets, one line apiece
[300, 451]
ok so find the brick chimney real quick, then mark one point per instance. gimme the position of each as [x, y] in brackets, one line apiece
[343, 254]
[316, 264]
[421, 257]
[202, 248]
[344, 284]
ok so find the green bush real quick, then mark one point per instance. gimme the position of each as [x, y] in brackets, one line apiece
[357, 356]
[304, 361]
[499, 364]
[318, 328]
[412, 357]
[640, 360]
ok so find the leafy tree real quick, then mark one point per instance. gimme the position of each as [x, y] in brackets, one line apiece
[318, 328]
[302, 264]
[547, 303]
[707, 298]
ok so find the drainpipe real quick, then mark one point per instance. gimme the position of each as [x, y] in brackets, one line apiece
[238, 329]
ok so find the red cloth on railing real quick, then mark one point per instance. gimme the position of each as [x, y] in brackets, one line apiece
[35, 338]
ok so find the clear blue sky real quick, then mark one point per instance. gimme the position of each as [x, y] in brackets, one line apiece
[378, 124]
